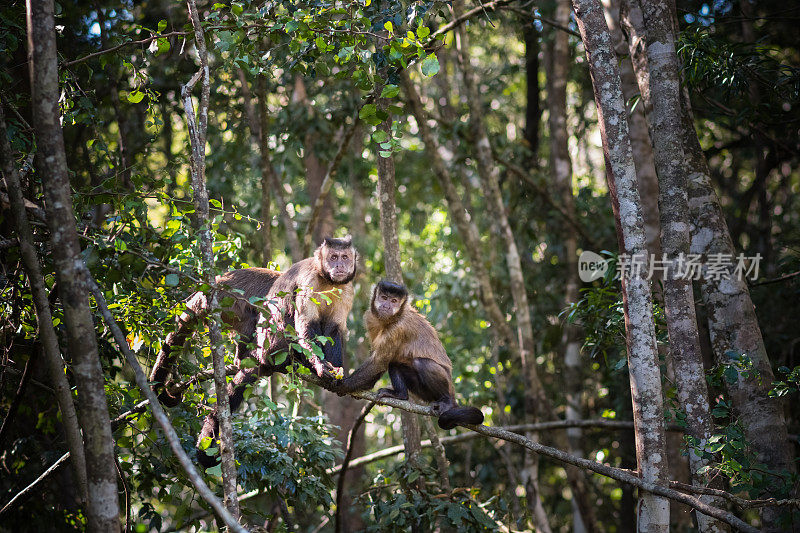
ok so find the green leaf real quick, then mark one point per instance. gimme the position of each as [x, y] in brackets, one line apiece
[171, 280]
[390, 91]
[423, 31]
[247, 363]
[162, 25]
[367, 111]
[388, 26]
[379, 136]
[430, 66]
[237, 8]
[215, 470]
[136, 96]
[280, 358]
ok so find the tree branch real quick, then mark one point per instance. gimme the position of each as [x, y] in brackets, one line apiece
[158, 413]
[619, 474]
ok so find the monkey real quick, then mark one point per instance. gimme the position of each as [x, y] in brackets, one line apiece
[244, 284]
[406, 345]
[291, 301]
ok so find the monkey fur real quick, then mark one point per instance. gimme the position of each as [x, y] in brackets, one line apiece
[291, 302]
[405, 344]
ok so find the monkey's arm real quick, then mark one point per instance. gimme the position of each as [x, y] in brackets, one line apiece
[364, 377]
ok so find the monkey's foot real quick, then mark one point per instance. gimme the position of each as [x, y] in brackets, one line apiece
[391, 393]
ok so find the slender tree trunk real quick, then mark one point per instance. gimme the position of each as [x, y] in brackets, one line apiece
[533, 111]
[258, 123]
[102, 508]
[558, 62]
[732, 323]
[295, 249]
[393, 265]
[674, 208]
[51, 350]
[198, 125]
[468, 230]
[315, 171]
[124, 156]
[648, 410]
[685, 352]
[488, 172]
[638, 126]
[268, 176]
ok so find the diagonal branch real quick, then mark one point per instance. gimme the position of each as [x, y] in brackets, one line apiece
[625, 476]
[159, 414]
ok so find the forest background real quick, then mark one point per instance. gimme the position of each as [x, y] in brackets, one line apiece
[461, 146]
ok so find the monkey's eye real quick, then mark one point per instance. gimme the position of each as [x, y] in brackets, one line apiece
[334, 257]
[344, 257]
[394, 300]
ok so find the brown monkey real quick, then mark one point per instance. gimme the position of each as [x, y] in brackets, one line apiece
[405, 344]
[291, 301]
[244, 284]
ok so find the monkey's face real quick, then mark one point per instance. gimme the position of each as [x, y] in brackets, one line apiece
[387, 305]
[339, 263]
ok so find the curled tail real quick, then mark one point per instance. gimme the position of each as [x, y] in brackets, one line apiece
[459, 416]
[197, 309]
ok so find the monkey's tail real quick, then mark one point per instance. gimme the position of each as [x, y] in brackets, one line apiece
[197, 308]
[459, 416]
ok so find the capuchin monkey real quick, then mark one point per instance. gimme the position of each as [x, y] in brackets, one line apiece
[314, 297]
[405, 344]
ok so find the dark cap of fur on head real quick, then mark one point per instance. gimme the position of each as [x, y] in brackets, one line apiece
[392, 288]
[333, 242]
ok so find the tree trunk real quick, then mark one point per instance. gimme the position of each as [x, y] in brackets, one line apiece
[102, 508]
[488, 172]
[268, 176]
[558, 63]
[679, 305]
[533, 111]
[645, 377]
[197, 126]
[51, 350]
[732, 323]
[393, 265]
[315, 171]
[125, 162]
[733, 326]
[646, 176]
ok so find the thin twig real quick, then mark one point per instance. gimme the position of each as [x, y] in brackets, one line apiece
[127, 494]
[87, 57]
[346, 461]
[27, 490]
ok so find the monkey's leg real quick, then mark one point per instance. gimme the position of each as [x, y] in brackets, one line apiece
[210, 428]
[197, 307]
[399, 376]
